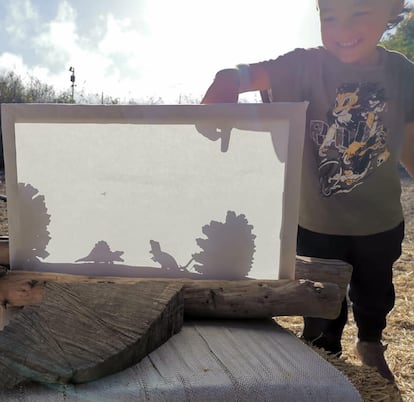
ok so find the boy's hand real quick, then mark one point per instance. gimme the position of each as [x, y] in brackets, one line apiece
[225, 87]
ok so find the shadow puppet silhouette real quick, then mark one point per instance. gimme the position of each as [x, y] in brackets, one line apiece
[228, 250]
[167, 261]
[101, 253]
[227, 254]
[35, 237]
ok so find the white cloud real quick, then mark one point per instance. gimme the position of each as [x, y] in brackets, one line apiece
[203, 37]
[120, 37]
[20, 19]
[131, 49]
[12, 62]
[162, 48]
[59, 38]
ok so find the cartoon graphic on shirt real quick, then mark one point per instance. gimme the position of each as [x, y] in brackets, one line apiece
[353, 142]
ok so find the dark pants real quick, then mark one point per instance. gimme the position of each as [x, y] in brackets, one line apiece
[371, 290]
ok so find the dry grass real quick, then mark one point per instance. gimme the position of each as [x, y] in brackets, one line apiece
[399, 333]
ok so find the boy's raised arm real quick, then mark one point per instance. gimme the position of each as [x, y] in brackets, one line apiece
[229, 83]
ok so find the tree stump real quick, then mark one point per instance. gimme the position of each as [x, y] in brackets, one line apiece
[81, 331]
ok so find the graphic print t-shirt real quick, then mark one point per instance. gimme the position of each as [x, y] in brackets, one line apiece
[350, 183]
[352, 141]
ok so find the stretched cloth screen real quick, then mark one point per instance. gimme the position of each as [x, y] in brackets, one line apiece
[193, 191]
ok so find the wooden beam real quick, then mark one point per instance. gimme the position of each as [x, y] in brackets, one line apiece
[219, 299]
[317, 291]
[208, 298]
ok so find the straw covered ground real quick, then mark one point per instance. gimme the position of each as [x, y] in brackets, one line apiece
[399, 333]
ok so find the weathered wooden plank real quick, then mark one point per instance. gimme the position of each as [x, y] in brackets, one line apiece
[261, 299]
[220, 299]
[83, 331]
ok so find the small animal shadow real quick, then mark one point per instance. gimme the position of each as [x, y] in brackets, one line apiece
[101, 253]
[166, 260]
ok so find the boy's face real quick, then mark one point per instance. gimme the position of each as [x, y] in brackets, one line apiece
[351, 29]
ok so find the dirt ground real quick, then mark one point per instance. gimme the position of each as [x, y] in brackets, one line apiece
[399, 333]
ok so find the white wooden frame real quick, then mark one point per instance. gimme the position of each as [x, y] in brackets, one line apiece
[208, 118]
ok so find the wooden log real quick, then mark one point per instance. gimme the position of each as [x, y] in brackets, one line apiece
[324, 270]
[82, 331]
[229, 299]
[261, 299]
[257, 299]
[219, 299]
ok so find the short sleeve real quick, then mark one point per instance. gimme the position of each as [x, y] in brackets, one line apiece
[288, 76]
[408, 80]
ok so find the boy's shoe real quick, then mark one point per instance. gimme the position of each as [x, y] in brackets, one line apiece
[372, 354]
[331, 346]
[315, 332]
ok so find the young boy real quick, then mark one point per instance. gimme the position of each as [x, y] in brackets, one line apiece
[361, 102]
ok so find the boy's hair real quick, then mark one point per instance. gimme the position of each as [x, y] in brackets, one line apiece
[395, 21]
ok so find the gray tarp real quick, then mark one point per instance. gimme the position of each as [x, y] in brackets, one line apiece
[213, 361]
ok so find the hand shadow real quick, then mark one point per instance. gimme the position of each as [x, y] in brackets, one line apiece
[213, 133]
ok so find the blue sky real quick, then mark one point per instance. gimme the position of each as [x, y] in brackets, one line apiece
[147, 48]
